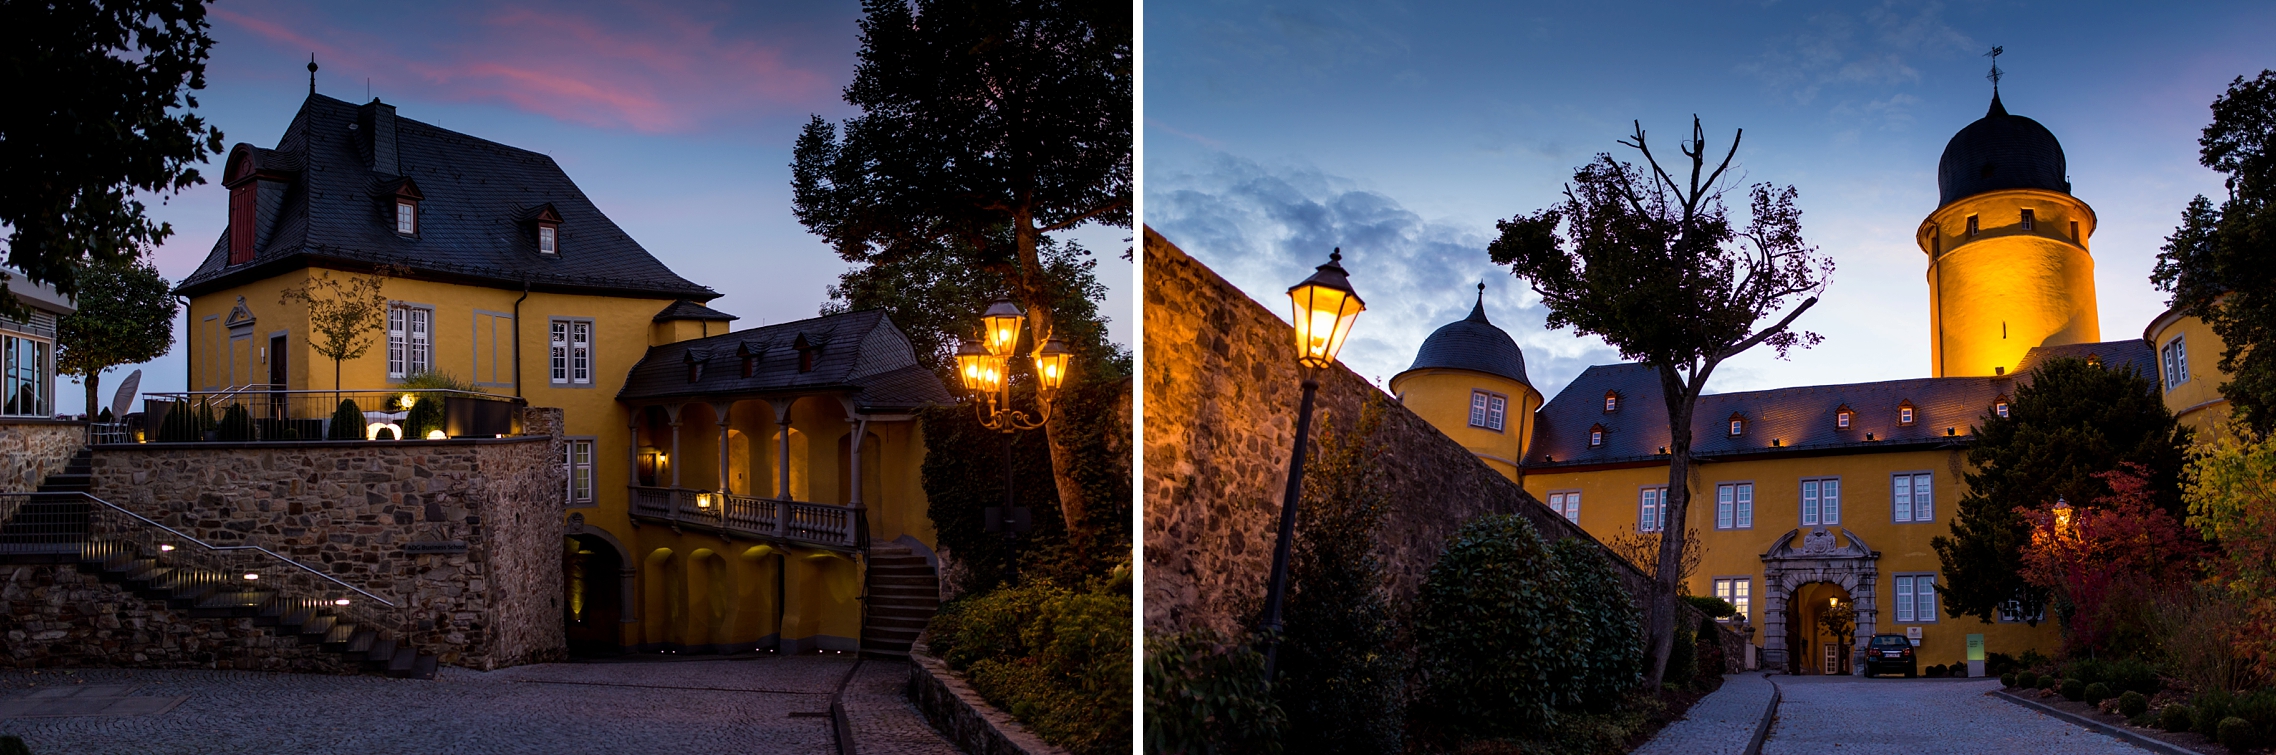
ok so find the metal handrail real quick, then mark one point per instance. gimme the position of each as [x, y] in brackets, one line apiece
[259, 390]
[8, 513]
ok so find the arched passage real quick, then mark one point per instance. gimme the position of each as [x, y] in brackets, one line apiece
[593, 600]
[1815, 648]
[1843, 562]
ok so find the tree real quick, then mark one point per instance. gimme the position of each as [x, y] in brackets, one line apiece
[1840, 620]
[96, 112]
[125, 316]
[2069, 421]
[2231, 492]
[985, 125]
[1642, 550]
[1341, 672]
[343, 312]
[2220, 264]
[1626, 248]
[2086, 556]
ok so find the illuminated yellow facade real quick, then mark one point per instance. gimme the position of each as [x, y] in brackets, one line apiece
[1444, 398]
[2189, 356]
[2008, 271]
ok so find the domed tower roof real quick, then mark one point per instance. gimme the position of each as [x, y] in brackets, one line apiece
[1472, 343]
[2000, 151]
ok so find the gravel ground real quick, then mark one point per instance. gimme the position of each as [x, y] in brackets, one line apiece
[1721, 723]
[758, 705]
[1856, 716]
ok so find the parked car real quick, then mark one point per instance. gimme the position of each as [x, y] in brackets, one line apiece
[1890, 653]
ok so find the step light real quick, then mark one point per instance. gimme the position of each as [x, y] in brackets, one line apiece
[340, 602]
[165, 547]
[250, 575]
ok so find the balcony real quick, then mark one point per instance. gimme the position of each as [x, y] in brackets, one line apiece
[275, 415]
[821, 525]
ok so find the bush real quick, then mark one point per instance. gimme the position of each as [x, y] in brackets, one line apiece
[1999, 664]
[2175, 717]
[2027, 679]
[2050, 682]
[1934, 672]
[2095, 693]
[1613, 631]
[347, 422]
[1713, 607]
[1206, 693]
[2237, 734]
[2073, 690]
[1957, 670]
[2258, 709]
[384, 433]
[1341, 675]
[2133, 704]
[13, 745]
[2007, 680]
[1496, 641]
[2211, 706]
[236, 425]
[1682, 658]
[426, 416]
[1056, 659]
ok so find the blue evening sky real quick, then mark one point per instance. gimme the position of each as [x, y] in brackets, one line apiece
[1402, 131]
[677, 119]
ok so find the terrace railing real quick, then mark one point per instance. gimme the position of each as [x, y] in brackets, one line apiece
[819, 524]
[279, 415]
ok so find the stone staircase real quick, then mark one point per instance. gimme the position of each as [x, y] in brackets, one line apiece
[904, 593]
[53, 526]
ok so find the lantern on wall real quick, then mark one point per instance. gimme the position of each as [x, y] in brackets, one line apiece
[1326, 307]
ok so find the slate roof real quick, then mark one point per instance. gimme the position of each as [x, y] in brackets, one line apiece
[1473, 343]
[688, 310]
[860, 354]
[2114, 355]
[479, 197]
[2000, 151]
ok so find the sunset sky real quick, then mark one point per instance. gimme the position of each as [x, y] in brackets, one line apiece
[676, 119]
[1402, 131]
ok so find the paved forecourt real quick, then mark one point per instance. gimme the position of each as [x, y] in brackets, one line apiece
[761, 705]
[1854, 716]
[1722, 723]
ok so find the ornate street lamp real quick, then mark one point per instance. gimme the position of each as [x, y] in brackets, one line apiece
[985, 369]
[1325, 307]
[2062, 517]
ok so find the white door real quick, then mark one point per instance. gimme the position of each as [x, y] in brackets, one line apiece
[1833, 659]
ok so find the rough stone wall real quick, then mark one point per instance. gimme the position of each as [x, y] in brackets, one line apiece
[30, 450]
[966, 719]
[54, 616]
[350, 508]
[1222, 388]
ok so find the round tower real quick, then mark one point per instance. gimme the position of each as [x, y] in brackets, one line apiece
[1468, 380]
[2008, 267]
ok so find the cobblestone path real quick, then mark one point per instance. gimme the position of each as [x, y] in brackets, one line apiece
[884, 722]
[762, 705]
[1856, 716]
[1723, 723]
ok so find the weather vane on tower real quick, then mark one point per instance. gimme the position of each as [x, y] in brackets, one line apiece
[1995, 72]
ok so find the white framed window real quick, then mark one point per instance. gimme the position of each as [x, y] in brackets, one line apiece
[406, 217]
[1734, 506]
[2175, 356]
[1904, 414]
[1567, 505]
[1911, 497]
[2000, 409]
[1821, 501]
[1595, 438]
[1738, 427]
[1916, 598]
[1651, 509]
[1738, 591]
[2027, 218]
[548, 240]
[2011, 612]
[571, 355]
[1611, 402]
[577, 468]
[1841, 420]
[1488, 410]
[410, 340]
[27, 372]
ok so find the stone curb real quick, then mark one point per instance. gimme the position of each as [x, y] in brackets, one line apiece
[961, 716]
[2147, 743]
[841, 727]
[1769, 714]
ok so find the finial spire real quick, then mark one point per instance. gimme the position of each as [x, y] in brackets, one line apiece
[312, 73]
[1478, 311]
[1995, 72]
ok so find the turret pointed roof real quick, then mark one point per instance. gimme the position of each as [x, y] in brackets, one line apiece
[1473, 343]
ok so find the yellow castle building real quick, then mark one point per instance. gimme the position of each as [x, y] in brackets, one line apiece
[1811, 496]
[726, 490]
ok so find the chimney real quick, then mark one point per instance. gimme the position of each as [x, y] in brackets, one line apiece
[377, 122]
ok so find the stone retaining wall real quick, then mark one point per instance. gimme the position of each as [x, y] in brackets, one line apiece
[51, 615]
[351, 509]
[32, 449]
[962, 716]
[1222, 388]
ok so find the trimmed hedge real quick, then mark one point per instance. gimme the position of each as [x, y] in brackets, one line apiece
[2095, 693]
[2073, 690]
[2175, 718]
[2133, 704]
[2027, 680]
[347, 422]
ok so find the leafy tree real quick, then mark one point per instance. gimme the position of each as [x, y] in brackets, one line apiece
[985, 125]
[125, 316]
[1341, 672]
[2231, 492]
[2220, 264]
[2087, 556]
[2069, 421]
[343, 312]
[1627, 247]
[96, 112]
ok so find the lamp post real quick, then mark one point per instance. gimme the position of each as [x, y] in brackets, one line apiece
[2062, 517]
[1325, 307]
[985, 368]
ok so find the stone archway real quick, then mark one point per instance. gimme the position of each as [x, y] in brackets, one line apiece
[1822, 556]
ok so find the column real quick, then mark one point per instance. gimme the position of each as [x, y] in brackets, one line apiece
[673, 460]
[782, 447]
[722, 409]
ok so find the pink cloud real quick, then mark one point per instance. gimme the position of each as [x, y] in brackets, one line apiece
[644, 69]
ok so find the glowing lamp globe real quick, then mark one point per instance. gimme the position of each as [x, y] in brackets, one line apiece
[992, 376]
[2062, 516]
[1051, 363]
[1325, 309]
[1001, 322]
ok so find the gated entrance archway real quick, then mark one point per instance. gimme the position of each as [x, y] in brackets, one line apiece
[1796, 559]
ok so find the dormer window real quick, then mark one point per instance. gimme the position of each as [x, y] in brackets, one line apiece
[1904, 413]
[1611, 402]
[403, 199]
[1596, 437]
[1842, 417]
[807, 350]
[547, 223]
[695, 360]
[406, 217]
[1999, 407]
[1738, 425]
[750, 352]
[546, 240]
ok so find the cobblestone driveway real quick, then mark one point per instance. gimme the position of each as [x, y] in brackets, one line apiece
[1855, 716]
[762, 705]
